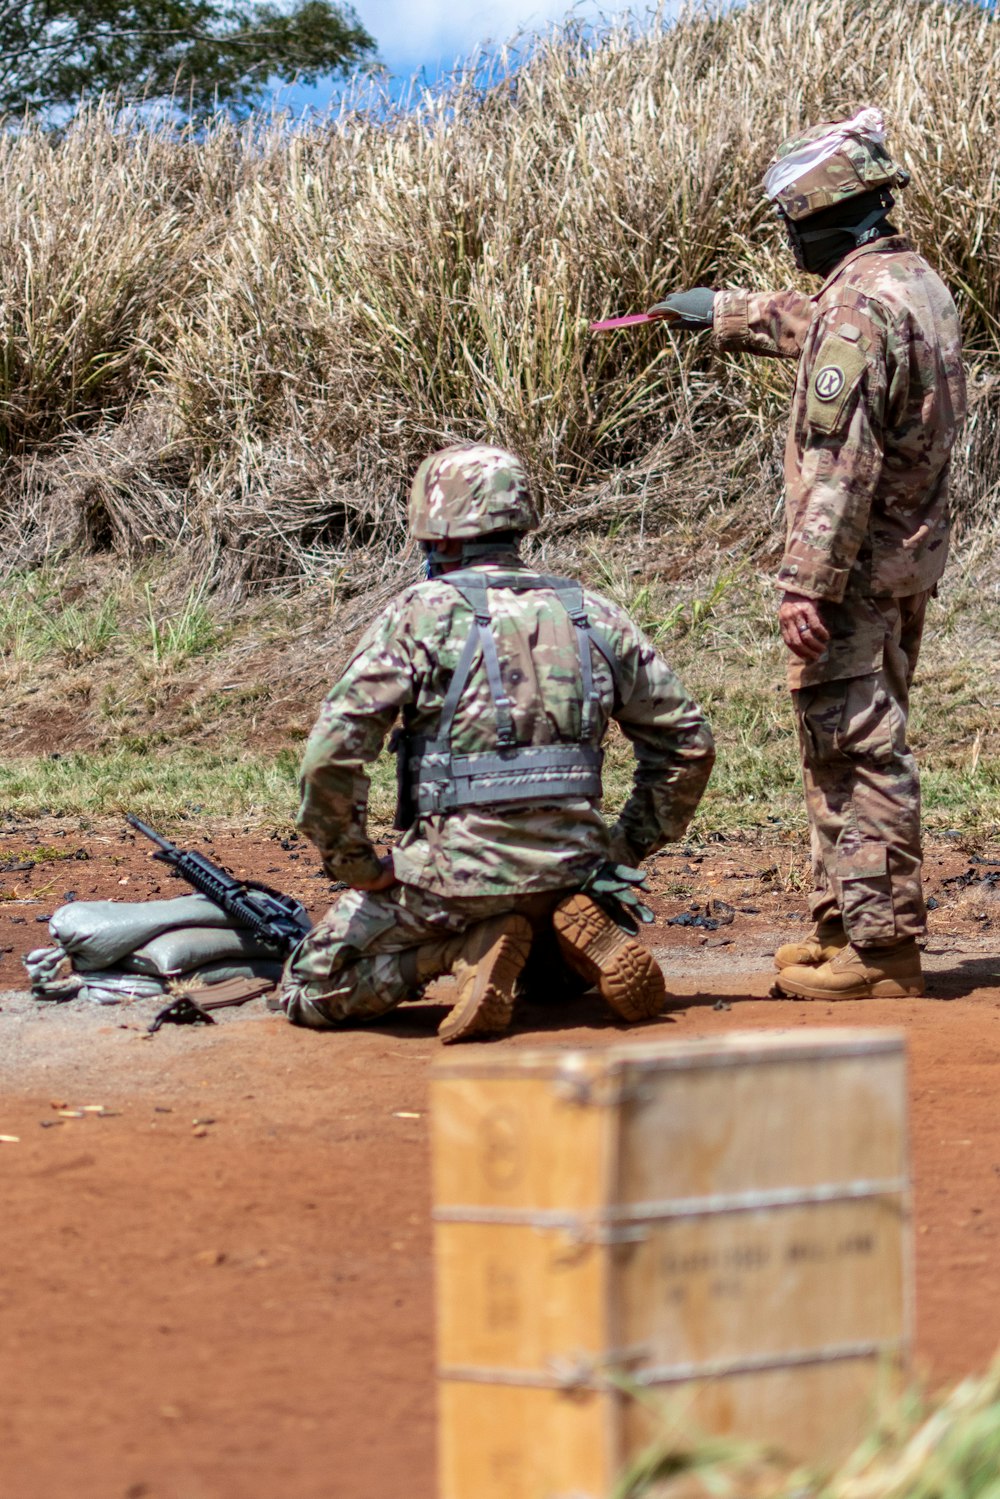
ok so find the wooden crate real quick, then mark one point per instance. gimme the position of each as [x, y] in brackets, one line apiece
[720, 1223]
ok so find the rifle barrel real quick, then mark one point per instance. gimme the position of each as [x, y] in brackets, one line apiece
[150, 833]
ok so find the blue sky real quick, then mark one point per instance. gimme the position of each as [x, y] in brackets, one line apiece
[428, 36]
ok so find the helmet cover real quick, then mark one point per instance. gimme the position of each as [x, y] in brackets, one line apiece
[831, 163]
[470, 490]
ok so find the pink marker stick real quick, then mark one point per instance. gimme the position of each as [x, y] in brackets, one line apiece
[625, 322]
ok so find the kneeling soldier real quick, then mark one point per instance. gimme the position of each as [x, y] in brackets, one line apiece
[506, 680]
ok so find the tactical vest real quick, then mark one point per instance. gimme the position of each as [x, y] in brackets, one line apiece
[433, 778]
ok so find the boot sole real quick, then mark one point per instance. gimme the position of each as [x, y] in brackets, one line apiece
[625, 973]
[883, 989]
[487, 1007]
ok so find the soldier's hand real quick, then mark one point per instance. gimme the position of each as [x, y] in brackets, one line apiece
[687, 309]
[383, 881]
[802, 627]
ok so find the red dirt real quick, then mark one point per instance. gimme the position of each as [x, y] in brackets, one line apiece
[242, 1308]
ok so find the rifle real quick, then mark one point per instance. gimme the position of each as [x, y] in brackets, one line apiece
[275, 920]
[401, 745]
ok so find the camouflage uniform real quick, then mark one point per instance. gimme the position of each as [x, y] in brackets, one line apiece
[459, 867]
[879, 395]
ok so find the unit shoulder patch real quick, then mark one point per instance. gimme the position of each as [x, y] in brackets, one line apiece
[829, 382]
[837, 373]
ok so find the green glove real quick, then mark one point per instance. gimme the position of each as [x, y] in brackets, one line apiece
[687, 309]
[613, 887]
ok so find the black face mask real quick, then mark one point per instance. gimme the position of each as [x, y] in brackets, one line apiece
[820, 242]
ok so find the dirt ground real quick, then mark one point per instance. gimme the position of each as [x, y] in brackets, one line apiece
[220, 1286]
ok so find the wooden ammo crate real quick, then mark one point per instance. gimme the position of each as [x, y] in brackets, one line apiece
[722, 1223]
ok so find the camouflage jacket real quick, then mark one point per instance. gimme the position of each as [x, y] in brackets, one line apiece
[407, 658]
[879, 396]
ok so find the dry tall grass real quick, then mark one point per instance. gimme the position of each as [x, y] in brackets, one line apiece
[241, 344]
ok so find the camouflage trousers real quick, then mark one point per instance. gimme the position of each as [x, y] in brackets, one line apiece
[863, 790]
[361, 959]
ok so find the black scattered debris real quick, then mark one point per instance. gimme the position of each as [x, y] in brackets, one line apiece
[686, 918]
[932, 903]
[181, 1011]
[44, 918]
[750, 910]
[972, 876]
[717, 913]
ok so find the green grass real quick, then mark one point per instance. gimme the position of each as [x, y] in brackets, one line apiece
[945, 1449]
[753, 789]
[224, 782]
[187, 631]
[175, 688]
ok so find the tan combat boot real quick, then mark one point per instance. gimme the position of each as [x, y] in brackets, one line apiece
[594, 945]
[823, 944]
[486, 969]
[859, 973]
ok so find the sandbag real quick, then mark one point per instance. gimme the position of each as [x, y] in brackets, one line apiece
[98, 933]
[116, 987]
[217, 973]
[190, 947]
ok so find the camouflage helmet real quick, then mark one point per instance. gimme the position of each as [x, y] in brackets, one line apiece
[470, 490]
[831, 163]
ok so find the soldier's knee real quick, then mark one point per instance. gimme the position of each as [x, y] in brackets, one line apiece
[856, 720]
[315, 1012]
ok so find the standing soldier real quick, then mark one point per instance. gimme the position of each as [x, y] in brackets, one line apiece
[879, 396]
[506, 680]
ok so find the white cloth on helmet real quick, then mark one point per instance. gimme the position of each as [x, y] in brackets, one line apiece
[787, 170]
